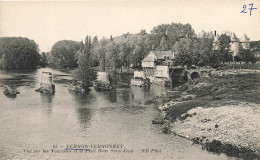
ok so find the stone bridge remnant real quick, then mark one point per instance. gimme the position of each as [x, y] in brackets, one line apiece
[102, 82]
[46, 85]
[140, 79]
[199, 72]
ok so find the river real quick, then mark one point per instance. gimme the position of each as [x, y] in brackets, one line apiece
[33, 123]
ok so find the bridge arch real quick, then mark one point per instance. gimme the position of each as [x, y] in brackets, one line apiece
[194, 75]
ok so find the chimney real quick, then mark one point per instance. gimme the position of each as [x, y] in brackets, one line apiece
[215, 33]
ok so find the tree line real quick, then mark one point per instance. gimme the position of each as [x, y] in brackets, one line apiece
[19, 53]
[124, 51]
[129, 50]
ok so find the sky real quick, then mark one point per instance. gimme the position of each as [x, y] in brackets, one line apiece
[47, 22]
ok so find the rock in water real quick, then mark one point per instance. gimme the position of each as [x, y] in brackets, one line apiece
[11, 91]
[77, 86]
[102, 82]
[46, 85]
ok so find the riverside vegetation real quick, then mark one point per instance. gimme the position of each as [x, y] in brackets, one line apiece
[219, 112]
[240, 94]
[125, 51]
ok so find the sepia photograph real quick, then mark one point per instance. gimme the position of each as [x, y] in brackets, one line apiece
[130, 80]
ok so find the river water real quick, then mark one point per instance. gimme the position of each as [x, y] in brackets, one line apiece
[33, 123]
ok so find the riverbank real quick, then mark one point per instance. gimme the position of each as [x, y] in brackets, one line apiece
[232, 129]
[219, 112]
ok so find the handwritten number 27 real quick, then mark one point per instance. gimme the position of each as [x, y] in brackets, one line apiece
[250, 8]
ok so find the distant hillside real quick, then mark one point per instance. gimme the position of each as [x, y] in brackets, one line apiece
[131, 38]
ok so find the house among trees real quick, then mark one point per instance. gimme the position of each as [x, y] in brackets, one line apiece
[157, 63]
[155, 58]
[238, 44]
[245, 42]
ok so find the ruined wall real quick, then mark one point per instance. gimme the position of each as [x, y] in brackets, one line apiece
[162, 71]
[140, 82]
[103, 77]
[149, 72]
[139, 74]
[46, 85]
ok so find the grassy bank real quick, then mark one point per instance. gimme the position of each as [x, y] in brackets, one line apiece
[227, 118]
[218, 91]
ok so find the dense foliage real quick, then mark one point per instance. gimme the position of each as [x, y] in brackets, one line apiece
[128, 50]
[63, 53]
[85, 72]
[43, 59]
[18, 53]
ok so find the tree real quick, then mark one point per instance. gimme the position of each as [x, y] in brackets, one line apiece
[94, 46]
[113, 60]
[215, 58]
[43, 60]
[183, 49]
[164, 44]
[143, 32]
[203, 53]
[125, 54]
[85, 72]
[94, 42]
[101, 52]
[64, 51]
[111, 38]
[19, 53]
[140, 50]
[175, 32]
[225, 48]
[247, 56]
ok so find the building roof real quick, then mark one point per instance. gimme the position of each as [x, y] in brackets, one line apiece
[234, 38]
[148, 59]
[162, 54]
[244, 38]
[153, 55]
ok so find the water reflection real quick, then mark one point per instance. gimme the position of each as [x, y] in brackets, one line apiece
[141, 95]
[82, 99]
[46, 101]
[132, 108]
[84, 116]
[18, 78]
[125, 95]
[117, 116]
[112, 96]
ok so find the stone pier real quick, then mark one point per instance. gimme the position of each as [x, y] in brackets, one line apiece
[46, 85]
[140, 79]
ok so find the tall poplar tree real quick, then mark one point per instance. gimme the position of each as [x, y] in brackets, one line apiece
[85, 72]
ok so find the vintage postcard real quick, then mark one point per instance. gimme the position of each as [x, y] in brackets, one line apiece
[123, 80]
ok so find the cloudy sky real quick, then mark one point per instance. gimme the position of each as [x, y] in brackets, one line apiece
[48, 22]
